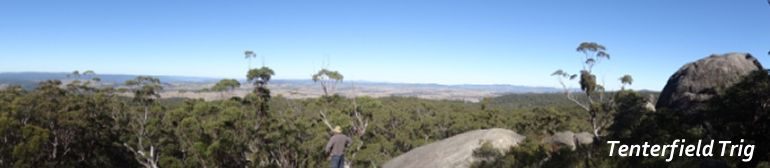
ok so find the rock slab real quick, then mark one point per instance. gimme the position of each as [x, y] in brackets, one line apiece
[570, 139]
[455, 151]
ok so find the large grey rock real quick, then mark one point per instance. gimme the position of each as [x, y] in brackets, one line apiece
[455, 151]
[649, 104]
[584, 138]
[697, 82]
[569, 139]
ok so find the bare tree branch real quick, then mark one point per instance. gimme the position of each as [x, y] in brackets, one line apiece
[325, 120]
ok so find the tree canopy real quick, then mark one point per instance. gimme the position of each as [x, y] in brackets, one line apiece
[328, 80]
[226, 85]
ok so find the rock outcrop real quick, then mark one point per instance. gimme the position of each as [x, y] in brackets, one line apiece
[455, 151]
[696, 82]
[569, 139]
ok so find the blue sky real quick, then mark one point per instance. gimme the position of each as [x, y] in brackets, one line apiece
[446, 41]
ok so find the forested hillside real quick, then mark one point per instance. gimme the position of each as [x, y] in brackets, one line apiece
[84, 124]
[76, 125]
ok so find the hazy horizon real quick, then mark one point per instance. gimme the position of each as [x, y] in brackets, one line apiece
[344, 82]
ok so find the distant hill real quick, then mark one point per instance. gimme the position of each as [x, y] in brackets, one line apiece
[31, 79]
[501, 88]
[181, 86]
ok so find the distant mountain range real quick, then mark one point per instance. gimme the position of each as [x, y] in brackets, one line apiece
[32, 78]
[113, 78]
[179, 86]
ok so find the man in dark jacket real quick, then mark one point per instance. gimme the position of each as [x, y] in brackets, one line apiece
[336, 147]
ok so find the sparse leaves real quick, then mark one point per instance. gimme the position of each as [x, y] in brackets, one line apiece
[248, 54]
[559, 73]
[590, 47]
[593, 53]
[328, 80]
[626, 80]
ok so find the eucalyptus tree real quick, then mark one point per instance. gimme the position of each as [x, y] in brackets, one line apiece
[594, 105]
[328, 80]
[226, 85]
[55, 126]
[263, 123]
[248, 54]
[593, 53]
[78, 85]
[146, 91]
[260, 77]
[91, 74]
[625, 80]
[75, 75]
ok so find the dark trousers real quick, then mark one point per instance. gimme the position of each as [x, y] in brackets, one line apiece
[338, 161]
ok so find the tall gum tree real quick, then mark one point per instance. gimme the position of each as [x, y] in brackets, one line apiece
[328, 80]
[248, 54]
[260, 77]
[145, 90]
[592, 99]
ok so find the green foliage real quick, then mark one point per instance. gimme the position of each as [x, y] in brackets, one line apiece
[740, 112]
[260, 76]
[599, 110]
[324, 74]
[56, 126]
[626, 80]
[328, 80]
[145, 89]
[529, 100]
[629, 115]
[631, 112]
[226, 85]
[248, 54]
[31, 148]
[81, 126]
[533, 154]
[587, 82]
[76, 75]
[593, 53]
[743, 112]
[486, 152]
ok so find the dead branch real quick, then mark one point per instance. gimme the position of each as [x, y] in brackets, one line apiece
[325, 120]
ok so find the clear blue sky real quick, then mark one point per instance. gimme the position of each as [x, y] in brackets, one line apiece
[443, 41]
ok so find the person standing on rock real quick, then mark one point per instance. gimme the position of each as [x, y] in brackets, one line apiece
[336, 147]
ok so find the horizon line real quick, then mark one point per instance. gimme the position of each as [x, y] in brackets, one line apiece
[359, 80]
